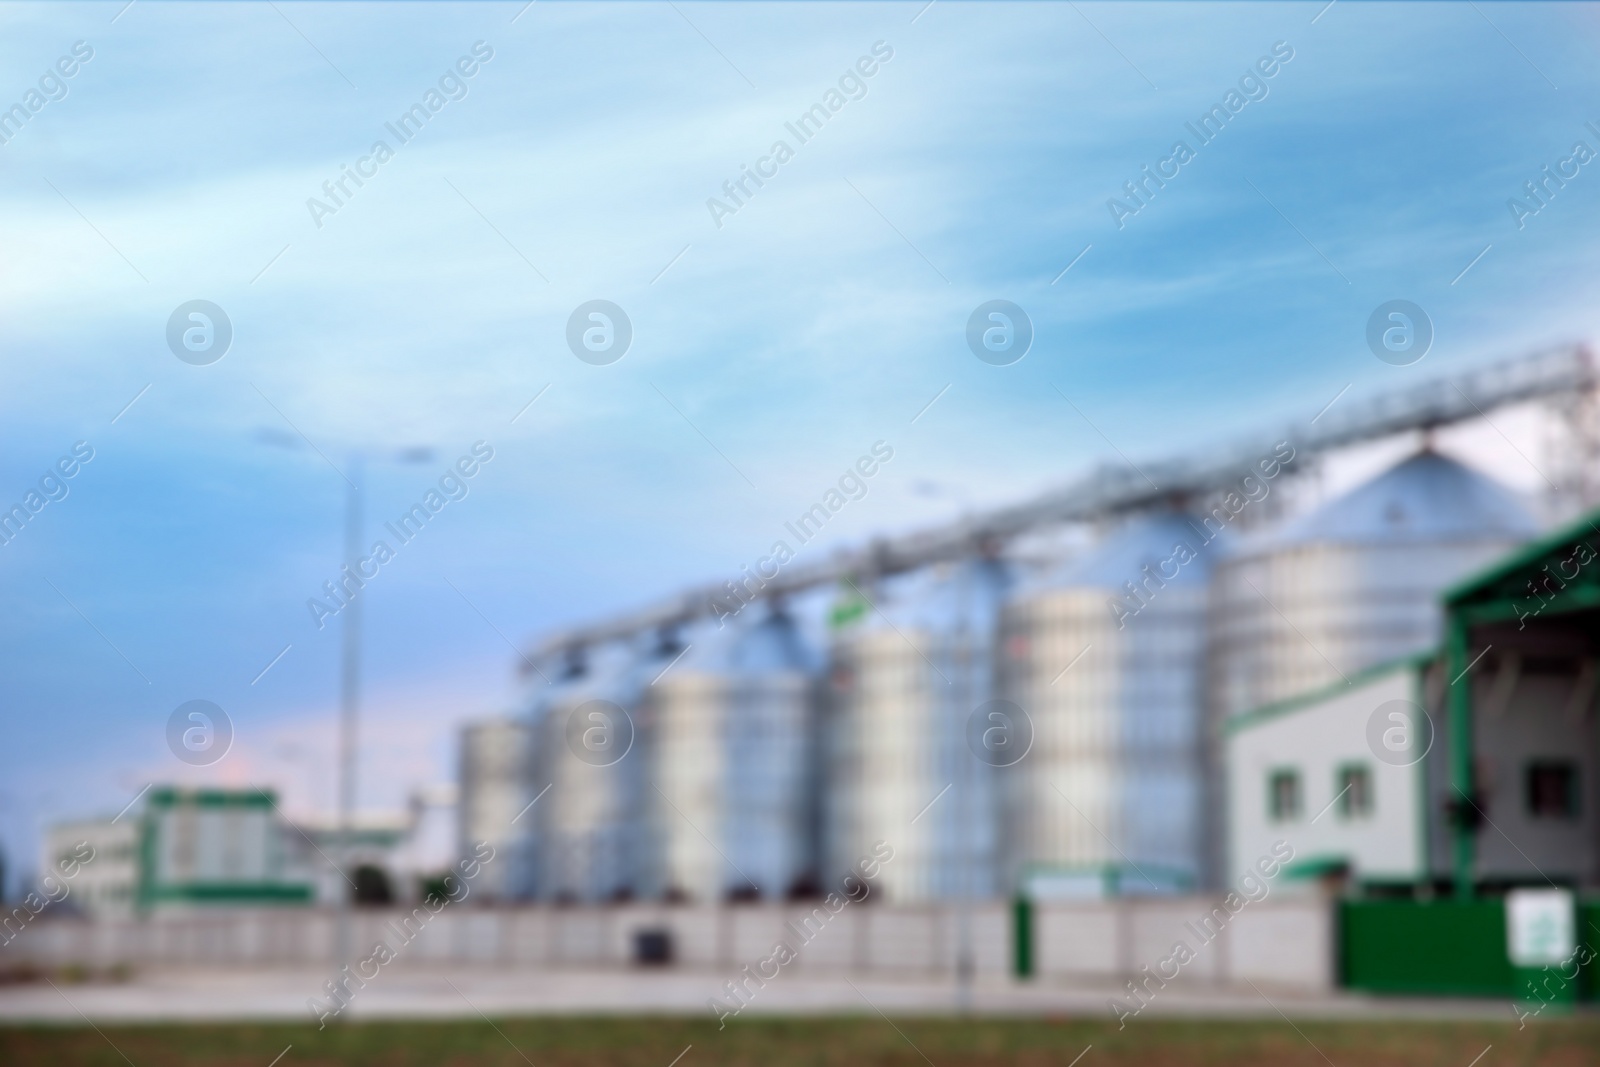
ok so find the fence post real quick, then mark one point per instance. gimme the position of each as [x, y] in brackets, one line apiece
[1022, 936]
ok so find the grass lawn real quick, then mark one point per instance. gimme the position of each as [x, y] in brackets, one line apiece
[834, 1042]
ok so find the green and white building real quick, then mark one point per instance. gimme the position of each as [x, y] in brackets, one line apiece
[215, 846]
[1457, 792]
[1306, 771]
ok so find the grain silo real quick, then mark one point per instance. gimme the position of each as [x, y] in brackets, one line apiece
[682, 723]
[907, 675]
[728, 736]
[587, 778]
[1355, 582]
[772, 771]
[496, 771]
[1349, 585]
[1106, 655]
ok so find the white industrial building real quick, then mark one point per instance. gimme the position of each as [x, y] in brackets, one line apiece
[106, 885]
[1304, 771]
[333, 862]
[182, 848]
[1467, 772]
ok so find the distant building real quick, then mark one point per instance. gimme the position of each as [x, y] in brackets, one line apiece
[429, 848]
[207, 847]
[315, 852]
[180, 848]
[106, 885]
[215, 846]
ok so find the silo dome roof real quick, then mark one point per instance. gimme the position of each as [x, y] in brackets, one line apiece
[1428, 497]
[705, 650]
[772, 645]
[755, 641]
[602, 674]
[1123, 553]
[941, 598]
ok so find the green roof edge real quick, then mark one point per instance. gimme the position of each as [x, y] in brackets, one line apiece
[1519, 558]
[1279, 708]
[166, 796]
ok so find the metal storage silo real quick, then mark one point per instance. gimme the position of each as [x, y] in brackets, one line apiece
[496, 771]
[587, 777]
[683, 727]
[1355, 582]
[1108, 799]
[728, 736]
[772, 773]
[906, 677]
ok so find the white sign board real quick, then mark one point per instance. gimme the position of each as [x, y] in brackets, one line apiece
[1540, 927]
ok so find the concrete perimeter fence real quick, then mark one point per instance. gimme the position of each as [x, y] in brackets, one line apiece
[1286, 943]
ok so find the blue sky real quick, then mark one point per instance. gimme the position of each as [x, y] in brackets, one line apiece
[771, 352]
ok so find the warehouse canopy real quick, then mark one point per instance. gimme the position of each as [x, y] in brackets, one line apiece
[1522, 652]
[1555, 574]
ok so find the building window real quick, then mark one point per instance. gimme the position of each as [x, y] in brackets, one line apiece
[1283, 795]
[1355, 792]
[1552, 789]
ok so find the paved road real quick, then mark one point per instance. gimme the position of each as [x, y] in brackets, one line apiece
[459, 992]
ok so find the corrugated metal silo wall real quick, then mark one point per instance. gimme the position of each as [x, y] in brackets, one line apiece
[1302, 616]
[496, 770]
[1114, 776]
[589, 829]
[683, 721]
[899, 769]
[769, 820]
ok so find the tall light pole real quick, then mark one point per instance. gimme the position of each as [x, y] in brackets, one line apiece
[350, 689]
[349, 673]
[965, 965]
[349, 708]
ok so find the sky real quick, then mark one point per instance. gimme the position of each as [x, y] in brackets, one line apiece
[771, 345]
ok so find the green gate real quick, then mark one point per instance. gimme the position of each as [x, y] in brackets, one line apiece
[1444, 947]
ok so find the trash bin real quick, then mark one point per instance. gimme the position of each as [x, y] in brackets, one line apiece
[652, 947]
